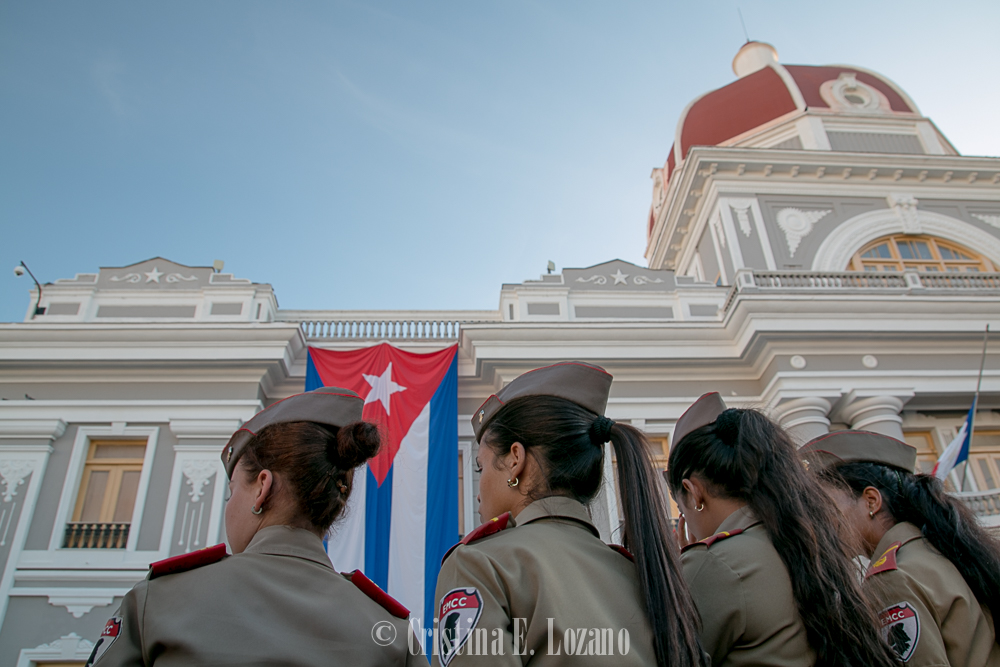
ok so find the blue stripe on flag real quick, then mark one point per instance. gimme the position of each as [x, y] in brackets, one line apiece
[313, 380]
[442, 485]
[378, 520]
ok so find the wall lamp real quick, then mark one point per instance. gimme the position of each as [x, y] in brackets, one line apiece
[19, 271]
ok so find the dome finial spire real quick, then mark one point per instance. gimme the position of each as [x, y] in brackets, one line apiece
[753, 56]
[744, 24]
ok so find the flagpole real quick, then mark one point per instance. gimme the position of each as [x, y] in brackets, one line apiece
[975, 404]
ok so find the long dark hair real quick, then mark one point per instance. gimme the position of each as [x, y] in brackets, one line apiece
[946, 522]
[317, 463]
[568, 442]
[745, 455]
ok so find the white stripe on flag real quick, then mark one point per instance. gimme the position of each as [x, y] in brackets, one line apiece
[408, 530]
[949, 458]
[346, 544]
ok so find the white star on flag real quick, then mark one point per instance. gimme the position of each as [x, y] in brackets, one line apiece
[153, 276]
[382, 387]
[620, 277]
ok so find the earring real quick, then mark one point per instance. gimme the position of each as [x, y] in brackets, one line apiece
[258, 511]
[699, 507]
[512, 484]
[871, 514]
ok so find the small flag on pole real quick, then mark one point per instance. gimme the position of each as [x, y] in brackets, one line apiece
[957, 451]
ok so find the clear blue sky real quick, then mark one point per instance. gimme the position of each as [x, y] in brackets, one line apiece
[409, 154]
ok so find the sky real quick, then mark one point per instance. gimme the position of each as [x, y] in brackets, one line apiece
[404, 154]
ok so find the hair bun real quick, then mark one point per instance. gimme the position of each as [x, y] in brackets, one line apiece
[356, 443]
[727, 425]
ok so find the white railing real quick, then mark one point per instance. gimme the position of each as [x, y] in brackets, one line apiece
[914, 281]
[983, 503]
[385, 325]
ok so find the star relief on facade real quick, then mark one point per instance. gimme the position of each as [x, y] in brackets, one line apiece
[12, 474]
[152, 277]
[619, 278]
[197, 474]
[796, 223]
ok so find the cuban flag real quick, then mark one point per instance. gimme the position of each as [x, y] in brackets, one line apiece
[402, 515]
[958, 450]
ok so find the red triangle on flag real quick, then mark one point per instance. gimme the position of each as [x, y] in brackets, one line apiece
[395, 384]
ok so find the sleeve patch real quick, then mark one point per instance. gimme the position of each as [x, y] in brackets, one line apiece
[457, 618]
[112, 629]
[901, 629]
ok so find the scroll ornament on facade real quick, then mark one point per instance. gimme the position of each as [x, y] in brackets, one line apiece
[796, 224]
[905, 207]
[12, 474]
[993, 220]
[198, 473]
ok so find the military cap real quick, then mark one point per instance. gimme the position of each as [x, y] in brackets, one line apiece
[330, 406]
[584, 384]
[702, 412]
[839, 447]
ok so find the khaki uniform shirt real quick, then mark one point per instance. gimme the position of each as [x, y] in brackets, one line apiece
[744, 595]
[931, 616]
[547, 592]
[280, 602]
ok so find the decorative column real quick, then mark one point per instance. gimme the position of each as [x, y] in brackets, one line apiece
[804, 418]
[878, 414]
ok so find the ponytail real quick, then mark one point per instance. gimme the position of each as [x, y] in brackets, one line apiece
[744, 455]
[946, 522]
[568, 441]
[647, 535]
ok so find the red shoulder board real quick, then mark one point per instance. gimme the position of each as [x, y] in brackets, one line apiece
[189, 561]
[494, 525]
[371, 589]
[885, 562]
[623, 551]
[718, 537]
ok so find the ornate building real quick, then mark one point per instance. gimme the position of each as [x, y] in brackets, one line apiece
[816, 248]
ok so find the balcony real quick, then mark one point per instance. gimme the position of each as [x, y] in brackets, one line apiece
[424, 326]
[87, 535]
[986, 505]
[911, 282]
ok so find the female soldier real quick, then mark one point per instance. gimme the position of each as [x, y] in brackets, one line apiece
[535, 585]
[277, 600]
[935, 570]
[769, 576]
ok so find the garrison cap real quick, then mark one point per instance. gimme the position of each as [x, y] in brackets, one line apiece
[702, 412]
[329, 406]
[584, 384]
[839, 447]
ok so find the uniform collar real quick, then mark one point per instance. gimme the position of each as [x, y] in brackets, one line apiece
[902, 532]
[559, 507]
[741, 519]
[289, 541]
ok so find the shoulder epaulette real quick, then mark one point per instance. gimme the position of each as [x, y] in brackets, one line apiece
[494, 525]
[885, 562]
[623, 551]
[371, 589]
[188, 561]
[718, 537]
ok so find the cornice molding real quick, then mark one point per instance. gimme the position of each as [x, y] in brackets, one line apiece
[47, 429]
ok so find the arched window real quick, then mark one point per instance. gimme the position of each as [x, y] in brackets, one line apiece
[917, 253]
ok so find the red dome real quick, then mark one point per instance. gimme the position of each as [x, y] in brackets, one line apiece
[765, 92]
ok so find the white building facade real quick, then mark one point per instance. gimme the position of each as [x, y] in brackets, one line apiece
[816, 248]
